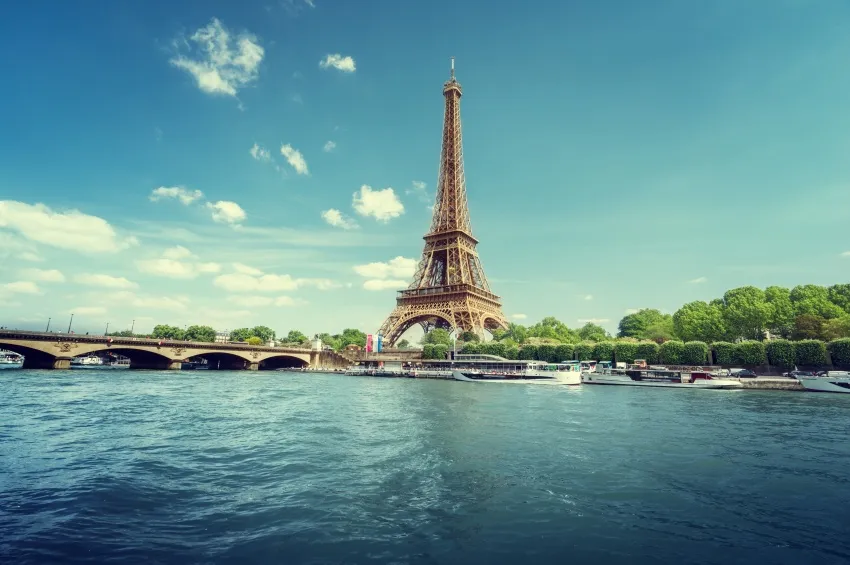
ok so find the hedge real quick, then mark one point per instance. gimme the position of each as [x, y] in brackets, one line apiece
[625, 351]
[810, 352]
[645, 350]
[583, 351]
[546, 353]
[440, 351]
[512, 353]
[750, 353]
[428, 351]
[494, 348]
[528, 352]
[839, 350]
[671, 352]
[724, 352]
[469, 348]
[780, 353]
[603, 351]
[563, 352]
[695, 353]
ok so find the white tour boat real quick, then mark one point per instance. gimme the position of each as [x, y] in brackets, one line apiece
[657, 377]
[87, 361]
[840, 384]
[523, 372]
[10, 358]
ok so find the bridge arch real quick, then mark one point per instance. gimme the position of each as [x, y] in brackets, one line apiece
[435, 318]
[282, 361]
[33, 358]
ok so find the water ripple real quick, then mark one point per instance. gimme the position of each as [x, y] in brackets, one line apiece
[130, 467]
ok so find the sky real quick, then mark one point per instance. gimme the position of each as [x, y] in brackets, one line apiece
[274, 162]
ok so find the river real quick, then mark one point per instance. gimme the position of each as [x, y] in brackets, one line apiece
[236, 467]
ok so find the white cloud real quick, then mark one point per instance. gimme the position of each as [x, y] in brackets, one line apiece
[383, 284]
[294, 158]
[260, 153]
[246, 270]
[400, 267]
[382, 205]
[633, 310]
[226, 212]
[320, 284]
[177, 252]
[698, 280]
[184, 195]
[222, 64]
[593, 320]
[241, 282]
[104, 281]
[345, 64]
[260, 301]
[66, 230]
[30, 256]
[171, 264]
[21, 287]
[125, 298]
[335, 218]
[329, 146]
[44, 275]
[88, 311]
[588, 297]
[310, 3]
[519, 316]
[420, 190]
[846, 254]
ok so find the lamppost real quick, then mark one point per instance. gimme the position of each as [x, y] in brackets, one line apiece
[132, 326]
[106, 332]
[70, 322]
[48, 325]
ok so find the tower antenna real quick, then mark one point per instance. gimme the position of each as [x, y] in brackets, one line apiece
[453, 67]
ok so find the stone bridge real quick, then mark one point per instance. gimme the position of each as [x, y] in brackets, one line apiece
[55, 351]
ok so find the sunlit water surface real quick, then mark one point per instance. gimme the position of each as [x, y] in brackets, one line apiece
[219, 467]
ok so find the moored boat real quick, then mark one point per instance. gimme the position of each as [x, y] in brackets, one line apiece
[658, 377]
[530, 372]
[826, 384]
[87, 361]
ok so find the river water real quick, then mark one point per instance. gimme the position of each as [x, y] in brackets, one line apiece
[234, 467]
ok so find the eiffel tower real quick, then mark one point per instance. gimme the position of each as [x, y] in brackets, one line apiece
[449, 289]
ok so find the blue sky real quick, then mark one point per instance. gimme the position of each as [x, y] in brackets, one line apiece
[619, 155]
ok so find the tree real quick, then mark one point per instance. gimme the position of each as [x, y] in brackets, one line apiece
[200, 333]
[699, 321]
[437, 336]
[241, 334]
[265, 333]
[836, 328]
[329, 340]
[593, 332]
[552, 328]
[660, 331]
[351, 336]
[294, 336]
[122, 333]
[814, 299]
[163, 331]
[808, 326]
[839, 294]
[635, 325]
[746, 313]
[254, 340]
[780, 319]
[470, 336]
[403, 344]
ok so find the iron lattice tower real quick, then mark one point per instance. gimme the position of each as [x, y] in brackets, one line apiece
[449, 289]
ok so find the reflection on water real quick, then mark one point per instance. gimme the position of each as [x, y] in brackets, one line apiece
[242, 468]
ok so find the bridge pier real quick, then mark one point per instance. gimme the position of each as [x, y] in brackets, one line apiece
[48, 363]
[252, 366]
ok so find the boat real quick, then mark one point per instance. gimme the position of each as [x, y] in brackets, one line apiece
[11, 359]
[530, 372]
[840, 384]
[87, 361]
[639, 375]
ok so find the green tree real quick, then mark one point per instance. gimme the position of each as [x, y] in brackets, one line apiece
[440, 350]
[780, 319]
[593, 332]
[472, 336]
[564, 352]
[240, 334]
[660, 331]
[122, 333]
[472, 348]
[582, 351]
[552, 328]
[808, 326]
[403, 344]
[695, 353]
[836, 328]
[637, 324]
[746, 313]
[699, 321]
[528, 352]
[162, 331]
[254, 340]
[329, 340]
[350, 336]
[839, 294]
[814, 300]
[428, 351]
[294, 336]
[437, 336]
[200, 333]
[265, 333]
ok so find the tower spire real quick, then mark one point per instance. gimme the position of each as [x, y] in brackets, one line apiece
[449, 289]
